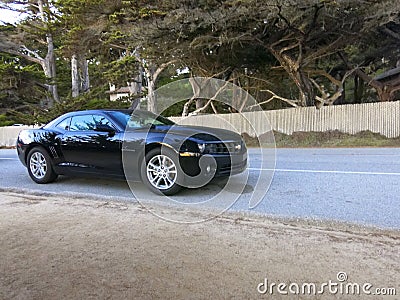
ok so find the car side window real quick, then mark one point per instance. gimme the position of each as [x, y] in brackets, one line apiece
[101, 120]
[64, 124]
[82, 123]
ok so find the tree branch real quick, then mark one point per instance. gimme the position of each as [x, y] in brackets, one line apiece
[391, 33]
[201, 109]
[25, 56]
[326, 97]
[284, 49]
[162, 67]
[327, 50]
[324, 74]
[275, 96]
[32, 53]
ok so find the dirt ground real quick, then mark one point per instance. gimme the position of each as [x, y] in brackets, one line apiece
[64, 248]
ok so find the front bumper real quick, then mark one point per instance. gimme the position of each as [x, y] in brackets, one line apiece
[222, 164]
[230, 166]
[21, 152]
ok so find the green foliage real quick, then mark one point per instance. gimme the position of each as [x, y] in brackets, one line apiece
[229, 39]
[176, 109]
[6, 120]
[19, 85]
[84, 102]
[121, 70]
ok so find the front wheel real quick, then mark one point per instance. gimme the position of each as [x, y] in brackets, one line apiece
[160, 172]
[39, 166]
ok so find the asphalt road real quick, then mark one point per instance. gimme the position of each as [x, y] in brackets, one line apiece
[358, 185]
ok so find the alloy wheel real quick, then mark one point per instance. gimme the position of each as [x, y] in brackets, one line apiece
[38, 165]
[161, 172]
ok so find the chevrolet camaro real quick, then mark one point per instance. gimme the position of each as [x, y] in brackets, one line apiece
[131, 145]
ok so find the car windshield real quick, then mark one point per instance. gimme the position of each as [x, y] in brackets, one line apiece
[139, 119]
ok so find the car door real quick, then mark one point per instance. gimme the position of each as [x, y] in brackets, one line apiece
[87, 150]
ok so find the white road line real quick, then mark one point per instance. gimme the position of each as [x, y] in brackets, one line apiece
[326, 171]
[356, 154]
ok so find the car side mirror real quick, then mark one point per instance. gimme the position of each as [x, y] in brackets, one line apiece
[105, 128]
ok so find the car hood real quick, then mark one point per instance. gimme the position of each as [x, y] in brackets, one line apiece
[199, 132]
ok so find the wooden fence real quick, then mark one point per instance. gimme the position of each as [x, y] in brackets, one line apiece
[383, 118]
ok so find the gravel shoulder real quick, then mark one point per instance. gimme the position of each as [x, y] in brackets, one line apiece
[55, 247]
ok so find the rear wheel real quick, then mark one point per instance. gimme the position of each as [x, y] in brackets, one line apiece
[39, 166]
[160, 172]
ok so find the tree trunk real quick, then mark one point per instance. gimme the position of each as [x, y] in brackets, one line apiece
[79, 75]
[74, 76]
[84, 79]
[151, 97]
[300, 79]
[200, 103]
[196, 88]
[151, 85]
[49, 64]
[306, 90]
[152, 72]
[342, 98]
[360, 90]
[356, 97]
[236, 93]
[136, 88]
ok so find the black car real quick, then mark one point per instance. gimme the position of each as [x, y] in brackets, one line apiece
[133, 145]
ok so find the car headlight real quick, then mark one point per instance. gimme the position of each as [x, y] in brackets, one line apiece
[201, 147]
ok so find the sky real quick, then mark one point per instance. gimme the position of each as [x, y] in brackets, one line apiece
[8, 16]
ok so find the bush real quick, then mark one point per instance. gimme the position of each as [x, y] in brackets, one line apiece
[5, 121]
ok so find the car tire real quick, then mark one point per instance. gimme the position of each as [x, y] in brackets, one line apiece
[160, 171]
[39, 166]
